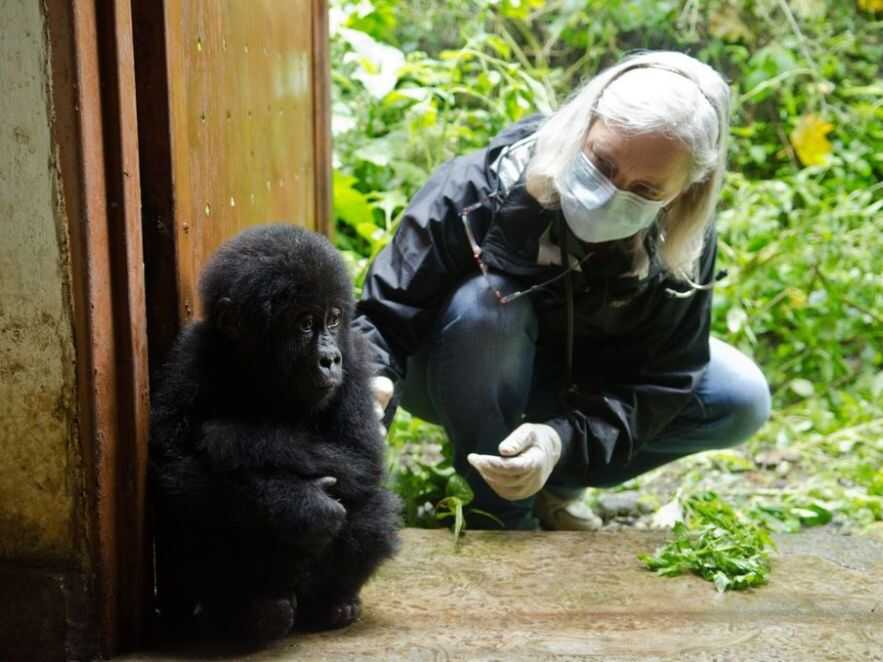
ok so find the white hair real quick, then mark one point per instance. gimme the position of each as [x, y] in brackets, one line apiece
[661, 92]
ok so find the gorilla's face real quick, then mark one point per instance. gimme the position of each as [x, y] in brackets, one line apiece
[291, 346]
[281, 299]
[311, 360]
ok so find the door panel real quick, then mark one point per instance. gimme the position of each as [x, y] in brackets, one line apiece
[242, 133]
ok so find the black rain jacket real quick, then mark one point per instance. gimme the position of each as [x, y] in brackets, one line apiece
[639, 349]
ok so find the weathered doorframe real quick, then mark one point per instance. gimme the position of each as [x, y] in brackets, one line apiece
[96, 131]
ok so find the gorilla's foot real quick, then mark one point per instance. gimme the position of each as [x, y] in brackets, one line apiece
[336, 613]
[263, 620]
[345, 612]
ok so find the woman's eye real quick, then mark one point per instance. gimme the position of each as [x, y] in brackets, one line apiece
[333, 320]
[646, 193]
[306, 324]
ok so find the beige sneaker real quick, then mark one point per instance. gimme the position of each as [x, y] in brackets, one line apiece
[557, 514]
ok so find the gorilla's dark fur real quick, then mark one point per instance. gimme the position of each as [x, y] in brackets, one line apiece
[265, 454]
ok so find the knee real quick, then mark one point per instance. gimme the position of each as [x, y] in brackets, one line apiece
[737, 401]
[750, 406]
[482, 353]
[474, 313]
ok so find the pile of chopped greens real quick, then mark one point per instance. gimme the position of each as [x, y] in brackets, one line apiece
[716, 543]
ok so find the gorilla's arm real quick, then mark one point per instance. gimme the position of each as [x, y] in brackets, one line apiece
[229, 444]
[346, 450]
[262, 481]
[291, 509]
[296, 511]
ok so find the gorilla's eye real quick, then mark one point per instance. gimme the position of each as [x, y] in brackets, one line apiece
[333, 318]
[306, 324]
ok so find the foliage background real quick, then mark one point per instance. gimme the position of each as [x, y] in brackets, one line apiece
[416, 82]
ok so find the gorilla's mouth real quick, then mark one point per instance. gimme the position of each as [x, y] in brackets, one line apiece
[327, 379]
[324, 387]
[312, 391]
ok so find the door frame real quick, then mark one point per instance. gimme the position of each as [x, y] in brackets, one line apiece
[95, 129]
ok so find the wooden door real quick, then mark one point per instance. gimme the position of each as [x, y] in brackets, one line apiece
[234, 132]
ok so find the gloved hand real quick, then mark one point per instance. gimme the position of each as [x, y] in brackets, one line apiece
[528, 456]
[382, 388]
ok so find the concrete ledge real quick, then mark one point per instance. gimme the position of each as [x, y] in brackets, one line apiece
[568, 596]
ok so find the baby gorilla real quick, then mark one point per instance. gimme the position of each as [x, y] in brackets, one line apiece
[266, 458]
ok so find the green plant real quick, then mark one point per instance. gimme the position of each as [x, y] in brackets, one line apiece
[421, 473]
[716, 543]
[458, 495]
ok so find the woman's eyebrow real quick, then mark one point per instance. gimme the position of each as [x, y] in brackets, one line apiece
[603, 155]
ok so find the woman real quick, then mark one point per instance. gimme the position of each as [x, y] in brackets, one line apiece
[547, 299]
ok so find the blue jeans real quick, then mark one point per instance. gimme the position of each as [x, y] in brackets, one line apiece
[479, 377]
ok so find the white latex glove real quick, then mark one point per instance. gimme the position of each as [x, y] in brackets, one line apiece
[528, 456]
[382, 388]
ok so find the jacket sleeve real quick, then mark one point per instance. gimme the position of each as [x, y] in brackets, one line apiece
[429, 254]
[607, 426]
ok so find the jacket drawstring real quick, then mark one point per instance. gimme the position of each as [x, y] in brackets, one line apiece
[568, 296]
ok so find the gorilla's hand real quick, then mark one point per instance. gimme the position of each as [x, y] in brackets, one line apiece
[325, 483]
[324, 514]
[301, 511]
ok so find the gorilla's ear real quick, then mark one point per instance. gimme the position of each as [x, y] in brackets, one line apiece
[227, 317]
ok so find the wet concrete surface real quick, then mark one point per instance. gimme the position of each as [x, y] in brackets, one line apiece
[571, 596]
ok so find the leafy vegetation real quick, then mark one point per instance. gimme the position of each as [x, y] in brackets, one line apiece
[423, 475]
[800, 221]
[717, 544]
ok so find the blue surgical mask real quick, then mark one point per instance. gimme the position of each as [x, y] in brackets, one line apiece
[595, 210]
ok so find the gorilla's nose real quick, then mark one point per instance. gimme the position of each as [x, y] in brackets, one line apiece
[329, 361]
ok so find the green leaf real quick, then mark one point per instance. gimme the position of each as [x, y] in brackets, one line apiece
[350, 205]
[452, 506]
[389, 202]
[814, 515]
[458, 487]
[499, 46]
[369, 231]
[721, 581]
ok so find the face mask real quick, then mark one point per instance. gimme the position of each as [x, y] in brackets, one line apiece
[595, 210]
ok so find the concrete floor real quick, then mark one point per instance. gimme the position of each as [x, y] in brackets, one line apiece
[570, 596]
